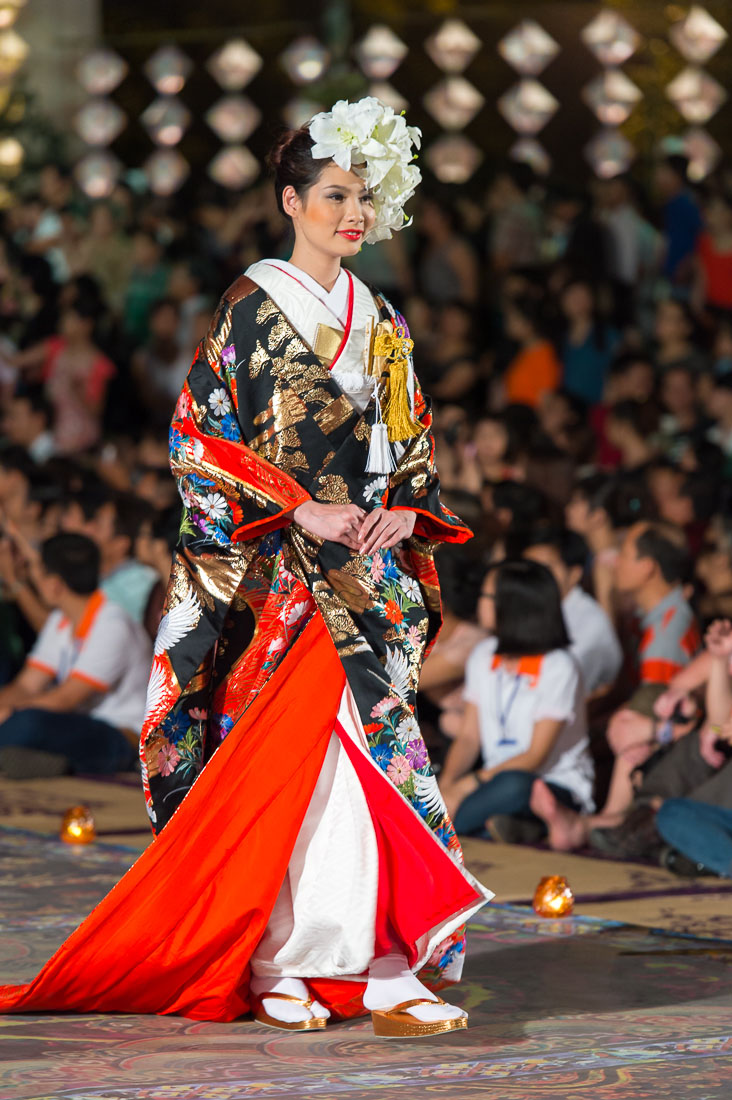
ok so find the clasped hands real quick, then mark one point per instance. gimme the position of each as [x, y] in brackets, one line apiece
[352, 526]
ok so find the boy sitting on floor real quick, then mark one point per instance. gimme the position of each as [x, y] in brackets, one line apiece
[78, 703]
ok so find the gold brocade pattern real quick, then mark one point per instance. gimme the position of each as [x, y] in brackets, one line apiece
[334, 414]
[333, 489]
[327, 342]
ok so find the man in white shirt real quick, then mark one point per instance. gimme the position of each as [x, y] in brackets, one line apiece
[81, 693]
[594, 642]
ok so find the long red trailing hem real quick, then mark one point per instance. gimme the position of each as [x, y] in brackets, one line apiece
[176, 934]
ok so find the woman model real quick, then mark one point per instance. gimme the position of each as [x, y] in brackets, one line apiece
[304, 864]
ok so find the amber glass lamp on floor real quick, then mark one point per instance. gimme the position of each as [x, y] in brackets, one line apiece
[77, 826]
[553, 897]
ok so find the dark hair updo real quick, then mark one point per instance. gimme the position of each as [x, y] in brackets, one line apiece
[292, 162]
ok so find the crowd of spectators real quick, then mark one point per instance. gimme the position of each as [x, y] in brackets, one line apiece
[577, 346]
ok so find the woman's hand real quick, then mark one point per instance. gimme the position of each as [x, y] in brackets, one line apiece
[383, 529]
[332, 522]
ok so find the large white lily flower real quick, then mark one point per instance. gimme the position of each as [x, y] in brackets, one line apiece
[367, 137]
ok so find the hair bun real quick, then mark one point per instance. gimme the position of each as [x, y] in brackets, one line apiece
[277, 152]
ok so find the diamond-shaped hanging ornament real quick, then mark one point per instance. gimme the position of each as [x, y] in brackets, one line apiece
[612, 96]
[99, 122]
[454, 102]
[166, 120]
[305, 60]
[528, 48]
[453, 46]
[698, 36]
[527, 106]
[528, 150]
[453, 158]
[97, 174]
[12, 155]
[300, 110]
[9, 12]
[166, 171]
[703, 152]
[101, 71]
[610, 153]
[234, 167]
[234, 65]
[389, 96]
[380, 52]
[168, 69]
[611, 38]
[234, 118]
[695, 94]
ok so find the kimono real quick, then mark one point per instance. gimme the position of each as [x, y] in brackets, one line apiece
[299, 826]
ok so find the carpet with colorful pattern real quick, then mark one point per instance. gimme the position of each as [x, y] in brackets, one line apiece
[579, 1008]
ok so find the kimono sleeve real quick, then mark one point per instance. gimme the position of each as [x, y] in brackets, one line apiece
[415, 484]
[231, 494]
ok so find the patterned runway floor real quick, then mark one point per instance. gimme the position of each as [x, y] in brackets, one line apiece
[578, 1009]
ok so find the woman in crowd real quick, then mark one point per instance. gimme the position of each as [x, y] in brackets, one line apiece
[525, 711]
[589, 342]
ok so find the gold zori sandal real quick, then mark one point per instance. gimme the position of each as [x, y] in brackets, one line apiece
[397, 1023]
[263, 1017]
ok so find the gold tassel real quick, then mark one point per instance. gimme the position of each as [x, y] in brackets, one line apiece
[397, 413]
[395, 346]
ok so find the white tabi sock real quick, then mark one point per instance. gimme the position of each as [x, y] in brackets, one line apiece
[283, 1010]
[391, 982]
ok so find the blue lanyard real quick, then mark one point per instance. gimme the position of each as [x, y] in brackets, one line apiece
[504, 713]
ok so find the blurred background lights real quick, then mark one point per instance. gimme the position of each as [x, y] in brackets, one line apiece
[166, 171]
[703, 152]
[695, 94]
[234, 167]
[305, 60]
[453, 158]
[234, 65]
[101, 71]
[610, 153]
[611, 38]
[527, 106]
[612, 96]
[698, 36]
[97, 174]
[300, 110]
[388, 95]
[454, 102]
[168, 69]
[13, 52]
[234, 118]
[380, 53]
[453, 47]
[99, 122]
[166, 120]
[528, 48]
[9, 11]
[11, 156]
[528, 150]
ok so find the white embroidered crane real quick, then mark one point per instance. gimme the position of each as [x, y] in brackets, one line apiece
[178, 622]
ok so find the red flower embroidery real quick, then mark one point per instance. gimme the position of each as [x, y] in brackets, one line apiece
[393, 612]
[373, 727]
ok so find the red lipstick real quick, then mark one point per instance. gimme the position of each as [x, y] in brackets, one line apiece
[351, 234]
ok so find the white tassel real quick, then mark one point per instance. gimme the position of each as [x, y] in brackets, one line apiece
[380, 458]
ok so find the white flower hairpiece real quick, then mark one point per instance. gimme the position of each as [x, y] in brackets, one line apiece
[369, 138]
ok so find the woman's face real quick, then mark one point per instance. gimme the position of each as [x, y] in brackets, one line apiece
[334, 215]
[577, 301]
[718, 215]
[678, 392]
[671, 323]
[577, 514]
[491, 440]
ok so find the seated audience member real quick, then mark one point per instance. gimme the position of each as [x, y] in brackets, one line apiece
[713, 269]
[632, 378]
[535, 370]
[80, 696]
[443, 671]
[675, 331]
[629, 428]
[27, 422]
[600, 509]
[524, 714]
[113, 521]
[593, 641]
[719, 407]
[154, 546]
[493, 455]
[681, 415]
[713, 570]
[651, 567]
[563, 419]
[589, 342]
[160, 367]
